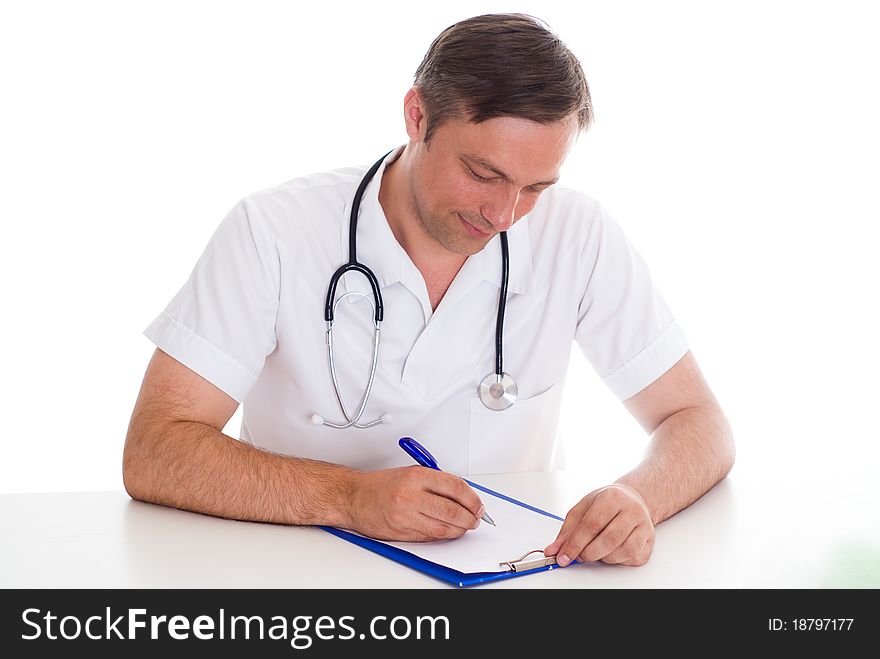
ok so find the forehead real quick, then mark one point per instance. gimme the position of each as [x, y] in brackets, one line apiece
[523, 149]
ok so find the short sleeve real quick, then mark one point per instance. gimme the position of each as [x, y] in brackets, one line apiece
[625, 328]
[221, 324]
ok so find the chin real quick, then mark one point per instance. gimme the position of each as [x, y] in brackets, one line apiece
[473, 246]
[449, 233]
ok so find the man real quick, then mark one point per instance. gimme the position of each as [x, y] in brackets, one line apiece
[495, 108]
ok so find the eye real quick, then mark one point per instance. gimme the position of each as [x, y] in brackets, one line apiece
[477, 176]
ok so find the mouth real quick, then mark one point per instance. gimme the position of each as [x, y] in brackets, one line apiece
[472, 230]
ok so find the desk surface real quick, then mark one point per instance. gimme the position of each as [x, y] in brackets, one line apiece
[727, 539]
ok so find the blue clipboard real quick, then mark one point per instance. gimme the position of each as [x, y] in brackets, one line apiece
[454, 577]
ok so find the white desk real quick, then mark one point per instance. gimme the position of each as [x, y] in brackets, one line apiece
[730, 538]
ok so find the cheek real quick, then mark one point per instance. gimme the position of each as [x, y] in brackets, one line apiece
[467, 188]
[526, 204]
[463, 196]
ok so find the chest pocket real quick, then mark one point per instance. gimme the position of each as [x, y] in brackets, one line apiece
[520, 438]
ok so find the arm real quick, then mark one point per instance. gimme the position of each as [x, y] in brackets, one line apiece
[691, 449]
[176, 455]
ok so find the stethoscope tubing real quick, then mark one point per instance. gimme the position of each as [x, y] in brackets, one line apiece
[502, 303]
[353, 264]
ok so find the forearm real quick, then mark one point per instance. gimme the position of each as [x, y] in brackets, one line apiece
[193, 466]
[688, 454]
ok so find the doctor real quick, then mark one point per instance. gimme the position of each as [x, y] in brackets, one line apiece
[485, 271]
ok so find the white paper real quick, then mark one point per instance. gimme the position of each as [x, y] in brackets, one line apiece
[519, 530]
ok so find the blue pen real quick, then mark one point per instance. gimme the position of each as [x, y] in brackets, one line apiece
[421, 455]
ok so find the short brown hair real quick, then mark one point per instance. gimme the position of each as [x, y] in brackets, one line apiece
[502, 65]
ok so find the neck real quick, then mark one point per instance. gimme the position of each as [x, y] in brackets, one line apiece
[396, 198]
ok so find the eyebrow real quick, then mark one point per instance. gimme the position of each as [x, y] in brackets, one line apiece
[485, 164]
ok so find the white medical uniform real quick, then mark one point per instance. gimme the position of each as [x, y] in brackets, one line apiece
[250, 320]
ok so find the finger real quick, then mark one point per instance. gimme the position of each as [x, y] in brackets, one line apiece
[592, 525]
[447, 512]
[642, 557]
[424, 491]
[431, 528]
[455, 489]
[630, 549]
[422, 528]
[604, 505]
[612, 536]
[430, 517]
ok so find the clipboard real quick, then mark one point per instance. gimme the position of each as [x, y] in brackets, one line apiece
[508, 566]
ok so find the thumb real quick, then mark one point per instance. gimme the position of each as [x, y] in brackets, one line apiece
[568, 526]
[553, 548]
[572, 519]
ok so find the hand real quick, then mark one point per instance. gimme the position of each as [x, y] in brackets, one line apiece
[611, 524]
[413, 504]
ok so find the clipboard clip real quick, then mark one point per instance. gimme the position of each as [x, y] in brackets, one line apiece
[523, 563]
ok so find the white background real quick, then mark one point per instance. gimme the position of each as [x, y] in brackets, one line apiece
[736, 144]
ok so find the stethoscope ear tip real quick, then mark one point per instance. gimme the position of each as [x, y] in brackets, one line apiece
[386, 418]
[317, 420]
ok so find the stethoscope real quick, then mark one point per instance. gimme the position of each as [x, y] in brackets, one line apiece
[497, 390]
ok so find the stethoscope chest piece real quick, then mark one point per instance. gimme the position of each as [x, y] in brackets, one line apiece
[498, 392]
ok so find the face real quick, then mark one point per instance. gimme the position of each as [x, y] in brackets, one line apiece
[474, 180]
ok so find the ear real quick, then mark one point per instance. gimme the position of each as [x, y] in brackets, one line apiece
[414, 115]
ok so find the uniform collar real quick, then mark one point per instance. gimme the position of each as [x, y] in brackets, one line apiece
[379, 250]
[521, 278]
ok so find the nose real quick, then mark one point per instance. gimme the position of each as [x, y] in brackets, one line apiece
[500, 211]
